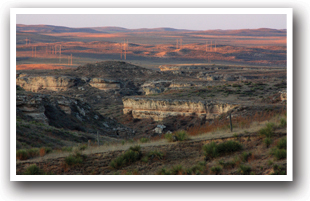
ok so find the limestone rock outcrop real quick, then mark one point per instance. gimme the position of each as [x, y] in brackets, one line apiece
[104, 84]
[158, 109]
[52, 83]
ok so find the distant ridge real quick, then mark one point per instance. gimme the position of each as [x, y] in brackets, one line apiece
[62, 29]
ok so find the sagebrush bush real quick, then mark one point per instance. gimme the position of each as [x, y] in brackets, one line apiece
[155, 154]
[214, 150]
[181, 135]
[244, 170]
[268, 130]
[245, 156]
[169, 137]
[82, 147]
[267, 141]
[178, 169]
[33, 170]
[75, 159]
[216, 169]
[282, 143]
[33, 152]
[278, 170]
[67, 149]
[283, 123]
[24, 154]
[197, 169]
[132, 155]
[279, 153]
[144, 140]
[164, 171]
[177, 136]
[21, 154]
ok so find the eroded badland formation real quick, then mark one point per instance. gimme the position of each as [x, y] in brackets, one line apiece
[155, 105]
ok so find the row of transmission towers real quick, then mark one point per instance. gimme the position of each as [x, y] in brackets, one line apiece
[51, 49]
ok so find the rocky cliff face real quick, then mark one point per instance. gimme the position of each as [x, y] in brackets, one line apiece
[52, 83]
[104, 84]
[158, 109]
[68, 113]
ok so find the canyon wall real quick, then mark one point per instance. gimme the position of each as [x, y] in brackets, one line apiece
[104, 84]
[158, 109]
[52, 83]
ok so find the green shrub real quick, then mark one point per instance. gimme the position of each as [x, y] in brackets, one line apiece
[136, 148]
[267, 141]
[21, 154]
[144, 140]
[196, 169]
[75, 159]
[169, 137]
[145, 159]
[177, 136]
[244, 170]
[66, 149]
[214, 150]
[164, 171]
[279, 153]
[130, 156]
[178, 169]
[82, 147]
[155, 154]
[245, 156]
[33, 170]
[268, 130]
[216, 169]
[181, 135]
[283, 123]
[34, 152]
[282, 143]
[278, 170]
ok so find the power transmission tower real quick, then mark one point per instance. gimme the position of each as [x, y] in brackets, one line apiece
[59, 53]
[215, 46]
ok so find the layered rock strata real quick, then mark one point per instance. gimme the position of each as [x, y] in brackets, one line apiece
[104, 84]
[158, 109]
[52, 83]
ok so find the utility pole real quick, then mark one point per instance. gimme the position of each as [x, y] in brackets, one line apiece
[31, 51]
[59, 53]
[211, 47]
[181, 43]
[176, 47]
[215, 46]
[71, 59]
[35, 51]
